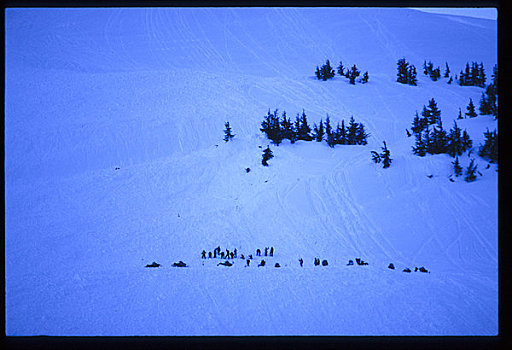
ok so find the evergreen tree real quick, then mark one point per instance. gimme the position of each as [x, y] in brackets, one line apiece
[439, 140]
[481, 75]
[354, 73]
[267, 154]
[471, 109]
[319, 131]
[454, 146]
[425, 68]
[341, 69]
[450, 80]
[420, 148]
[428, 140]
[227, 132]
[447, 71]
[457, 169]
[470, 171]
[485, 107]
[489, 149]
[417, 123]
[402, 74]
[352, 131]
[411, 76]
[286, 127]
[343, 134]
[328, 132]
[460, 114]
[385, 155]
[466, 141]
[364, 79]
[361, 135]
[303, 132]
[375, 157]
[431, 114]
[317, 73]
[326, 71]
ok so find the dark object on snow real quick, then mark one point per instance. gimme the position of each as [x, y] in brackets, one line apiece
[203, 254]
[358, 261]
[488, 166]
[227, 253]
[324, 263]
[222, 255]
[391, 266]
[452, 180]
[262, 263]
[416, 269]
[232, 255]
[266, 251]
[406, 270]
[271, 251]
[118, 168]
[209, 255]
[422, 269]
[215, 253]
[154, 264]
[301, 262]
[225, 263]
[247, 170]
[235, 252]
[250, 256]
[259, 146]
[317, 261]
[248, 262]
[350, 263]
[277, 265]
[242, 257]
[258, 252]
[179, 264]
[430, 176]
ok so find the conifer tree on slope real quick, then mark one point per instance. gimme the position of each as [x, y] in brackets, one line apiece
[402, 71]
[352, 131]
[470, 171]
[385, 156]
[457, 169]
[466, 141]
[341, 69]
[434, 114]
[447, 71]
[365, 77]
[318, 131]
[411, 76]
[471, 109]
[329, 137]
[489, 149]
[287, 127]
[419, 148]
[303, 133]
[227, 132]
[454, 146]
[354, 73]
[267, 154]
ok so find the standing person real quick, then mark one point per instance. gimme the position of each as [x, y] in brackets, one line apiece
[215, 253]
[248, 262]
[235, 252]
[222, 255]
[301, 262]
[266, 251]
[271, 251]
[232, 255]
[227, 253]
[250, 256]
[209, 255]
[258, 252]
[203, 254]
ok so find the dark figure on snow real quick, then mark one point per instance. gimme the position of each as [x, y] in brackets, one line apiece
[218, 250]
[262, 263]
[266, 251]
[215, 253]
[179, 264]
[203, 255]
[242, 257]
[358, 261]
[235, 252]
[227, 253]
[209, 255]
[154, 264]
[391, 266]
[271, 251]
[422, 269]
[317, 261]
[225, 263]
[301, 262]
[350, 262]
[277, 265]
[248, 262]
[407, 269]
[232, 255]
[258, 252]
[222, 255]
[324, 263]
[250, 256]
[416, 269]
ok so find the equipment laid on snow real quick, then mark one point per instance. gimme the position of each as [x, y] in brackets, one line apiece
[324, 263]
[391, 266]
[179, 264]
[422, 269]
[262, 263]
[350, 263]
[277, 265]
[154, 264]
[225, 263]
[406, 270]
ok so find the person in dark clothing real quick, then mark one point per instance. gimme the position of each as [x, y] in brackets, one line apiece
[215, 253]
[406, 269]
[324, 263]
[248, 262]
[250, 256]
[358, 261]
[317, 261]
[232, 255]
[227, 253]
[422, 269]
[235, 252]
[203, 254]
[222, 255]
[271, 251]
[350, 263]
[277, 265]
[301, 262]
[258, 252]
[266, 251]
[154, 264]
[209, 255]
[242, 257]
[262, 263]
[391, 266]
[416, 269]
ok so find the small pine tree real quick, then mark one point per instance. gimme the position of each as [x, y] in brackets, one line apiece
[471, 109]
[485, 107]
[385, 155]
[411, 76]
[425, 68]
[352, 131]
[228, 135]
[471, 171]
[319, 131]
[303, 131]
[354, 73]
[454, 146]
[364, 79]
[420, 148]
[326, 71]
[341, 69]
[267, 154]
[489, 149]
[450, 80]
[460, 114]
[375, 157]
[434, 113]
[317, 73]
[447, 71]
[402, 71]
[466, 141]
[329, 137]
[457, 169]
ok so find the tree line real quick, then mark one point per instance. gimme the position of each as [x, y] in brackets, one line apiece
[326, 72]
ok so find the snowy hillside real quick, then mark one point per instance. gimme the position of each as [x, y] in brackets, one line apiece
[148, 91]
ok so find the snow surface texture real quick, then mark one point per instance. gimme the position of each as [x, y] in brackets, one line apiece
[149, 90]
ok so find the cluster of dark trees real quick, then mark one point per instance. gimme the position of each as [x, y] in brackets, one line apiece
[228, 135]
[434, 73]
[470, 171]
[489, 149]
[489, 101]
[406, 73]
[437, 140]
[277, 129]
[474, 76]
[327, 72]
[384, 157]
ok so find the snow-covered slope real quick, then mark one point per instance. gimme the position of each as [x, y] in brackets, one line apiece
[148, 91]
